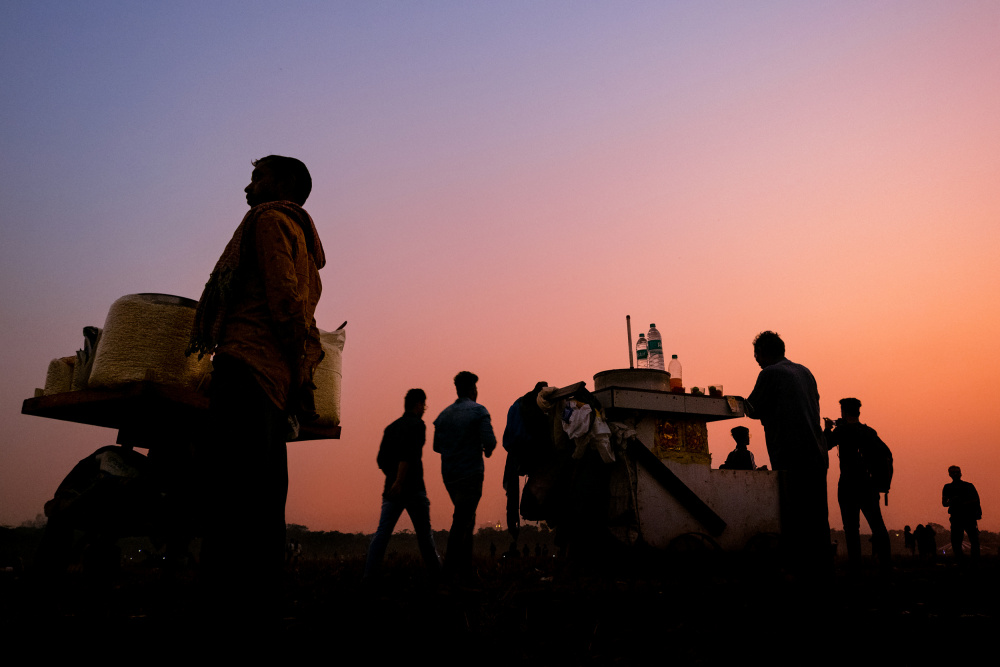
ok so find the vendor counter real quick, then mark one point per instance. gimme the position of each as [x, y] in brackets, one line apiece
[664, 490]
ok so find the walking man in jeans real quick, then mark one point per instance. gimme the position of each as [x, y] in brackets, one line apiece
[462, 435]
[399, 457]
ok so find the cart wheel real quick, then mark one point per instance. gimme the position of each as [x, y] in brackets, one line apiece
[762, 543]
[692, 543]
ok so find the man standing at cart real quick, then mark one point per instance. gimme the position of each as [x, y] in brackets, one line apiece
[786, 401]
[256, 315]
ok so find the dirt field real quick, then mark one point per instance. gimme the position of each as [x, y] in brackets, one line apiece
[682, 609]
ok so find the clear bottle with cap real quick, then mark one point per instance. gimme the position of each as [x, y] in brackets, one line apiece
[641, 352]
[676, 384]
[655, 342]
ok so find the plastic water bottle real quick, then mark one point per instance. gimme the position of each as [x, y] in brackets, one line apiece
[641, 352]
[676, 384]
[655, 342]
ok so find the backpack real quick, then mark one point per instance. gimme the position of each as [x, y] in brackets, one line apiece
[878, 461]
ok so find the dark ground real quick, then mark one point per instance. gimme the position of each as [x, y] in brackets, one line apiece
[631, 606]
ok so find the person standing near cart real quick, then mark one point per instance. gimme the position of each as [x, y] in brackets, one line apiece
[257, 316]
[786, 401]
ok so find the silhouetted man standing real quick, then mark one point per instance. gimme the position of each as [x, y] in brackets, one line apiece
[857, 493]
[462, 435]
[256, 315]
[962, 501]
[786, 401]
[399, 457]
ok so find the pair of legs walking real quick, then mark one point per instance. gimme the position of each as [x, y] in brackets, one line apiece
[465, 495]
[959, 527]
[418, 507]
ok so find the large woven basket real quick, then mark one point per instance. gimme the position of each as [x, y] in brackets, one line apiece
[144, 338]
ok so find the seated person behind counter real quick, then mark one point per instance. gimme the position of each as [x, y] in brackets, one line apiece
[740, 458]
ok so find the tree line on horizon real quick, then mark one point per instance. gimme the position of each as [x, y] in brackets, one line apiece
[18, 544]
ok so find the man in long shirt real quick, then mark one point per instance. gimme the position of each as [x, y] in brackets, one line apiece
[256, 315]
[856, 492]
[786, 401]
[462, 435]
[399, 457]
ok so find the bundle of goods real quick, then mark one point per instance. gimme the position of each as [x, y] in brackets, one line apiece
[144, 338]
[73, 373]
[327, 377]
[59, 377]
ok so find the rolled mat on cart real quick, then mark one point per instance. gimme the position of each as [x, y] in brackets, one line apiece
[144, 338]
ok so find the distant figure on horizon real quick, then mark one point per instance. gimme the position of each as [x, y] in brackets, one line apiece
[926, 540]
[786, 401]
[462, 435]
[962, 501]
[256, 315]
[930, 539]
[740, 458]
[909, 541]
[863, 458]
[400, 459]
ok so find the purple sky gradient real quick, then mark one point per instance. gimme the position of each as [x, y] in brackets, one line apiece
[498, 184]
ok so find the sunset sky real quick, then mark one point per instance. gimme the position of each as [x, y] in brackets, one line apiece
[498, 184]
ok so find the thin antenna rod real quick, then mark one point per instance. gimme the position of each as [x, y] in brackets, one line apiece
[628, 325]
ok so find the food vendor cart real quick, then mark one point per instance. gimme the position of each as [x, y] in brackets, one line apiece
[664, 490]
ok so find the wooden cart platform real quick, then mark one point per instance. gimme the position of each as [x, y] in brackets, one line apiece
[144, 413]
